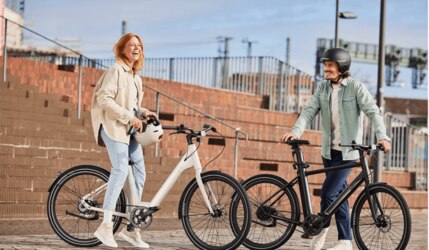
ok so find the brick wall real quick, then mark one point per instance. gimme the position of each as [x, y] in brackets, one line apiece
[39, 135]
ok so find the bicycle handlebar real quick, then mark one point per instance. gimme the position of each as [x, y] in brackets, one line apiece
[181, 129]
[372, 147]
[354, 146]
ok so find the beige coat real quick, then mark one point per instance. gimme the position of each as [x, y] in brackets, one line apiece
[114, 101]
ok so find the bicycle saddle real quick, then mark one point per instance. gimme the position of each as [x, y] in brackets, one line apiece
[297, 142]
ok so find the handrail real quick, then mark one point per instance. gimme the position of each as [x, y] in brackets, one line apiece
[53, 41]
[237, 130]
[196, 110]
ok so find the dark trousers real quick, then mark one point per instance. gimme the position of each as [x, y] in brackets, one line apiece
[334, 184]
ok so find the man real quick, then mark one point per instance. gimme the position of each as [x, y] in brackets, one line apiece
[340, 99]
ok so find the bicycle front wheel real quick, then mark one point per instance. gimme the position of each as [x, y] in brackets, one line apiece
[69, 219]
[392, 225]
[215, 231]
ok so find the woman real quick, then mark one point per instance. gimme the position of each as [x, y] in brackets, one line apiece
[117, 96]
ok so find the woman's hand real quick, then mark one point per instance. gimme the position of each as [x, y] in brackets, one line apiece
[137, 123]
[150, 113]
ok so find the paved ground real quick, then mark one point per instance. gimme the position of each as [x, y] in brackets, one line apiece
[164, 234]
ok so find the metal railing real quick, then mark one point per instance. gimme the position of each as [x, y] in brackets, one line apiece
[409, 150]
[237, 130]
[286, 88]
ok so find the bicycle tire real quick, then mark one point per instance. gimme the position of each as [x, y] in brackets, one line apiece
[394, 228]
[64, 197]
[262, 234]
[211, 232]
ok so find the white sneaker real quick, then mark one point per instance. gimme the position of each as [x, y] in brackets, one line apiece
[133, 237]
[319, 240]
[105, 234]
[342, 245]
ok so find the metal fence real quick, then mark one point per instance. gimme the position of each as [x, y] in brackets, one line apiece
[409, 148]
[61, 60]
[285, 87]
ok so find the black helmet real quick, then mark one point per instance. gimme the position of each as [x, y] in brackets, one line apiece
[340, 56]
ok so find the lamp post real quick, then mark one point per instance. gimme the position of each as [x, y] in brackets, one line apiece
[380, 79]
[343, 15]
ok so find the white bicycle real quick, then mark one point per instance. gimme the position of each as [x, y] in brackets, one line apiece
[76, 197]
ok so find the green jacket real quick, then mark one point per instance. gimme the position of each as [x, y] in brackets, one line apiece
[353, 97]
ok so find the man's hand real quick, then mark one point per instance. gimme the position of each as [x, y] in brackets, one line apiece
[385, 144]
[288, 136]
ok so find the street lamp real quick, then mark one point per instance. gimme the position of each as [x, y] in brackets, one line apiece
[343, 15]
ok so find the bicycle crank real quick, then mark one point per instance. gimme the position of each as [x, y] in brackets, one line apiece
[141, 217]
[312, 225]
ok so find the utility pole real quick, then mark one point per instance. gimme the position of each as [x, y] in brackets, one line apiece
[380, 80]
[287, 56]
[225, 66]
[225, 40]
[249, 46]
[336, 23]
[124, 27]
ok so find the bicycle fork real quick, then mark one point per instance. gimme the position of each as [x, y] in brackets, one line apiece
[373, 201]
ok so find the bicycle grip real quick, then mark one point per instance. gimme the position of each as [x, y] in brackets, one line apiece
[170, 127]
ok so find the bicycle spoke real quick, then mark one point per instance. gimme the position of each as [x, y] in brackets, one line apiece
[389, 231]
[207, 230]
[71, 221]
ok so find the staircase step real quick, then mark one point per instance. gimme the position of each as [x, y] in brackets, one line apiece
[26, 115]
[79, 134]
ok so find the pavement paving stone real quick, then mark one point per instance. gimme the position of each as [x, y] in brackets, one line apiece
[165, 234]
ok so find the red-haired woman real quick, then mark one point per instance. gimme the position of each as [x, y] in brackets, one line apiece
[116, 98]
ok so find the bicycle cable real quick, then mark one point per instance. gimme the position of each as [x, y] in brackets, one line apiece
[187, 157]
[223, 148]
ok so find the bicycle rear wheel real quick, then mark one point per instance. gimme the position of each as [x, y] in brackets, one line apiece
[207, 231]
[71, 221]
[392, 227]
[268, 230]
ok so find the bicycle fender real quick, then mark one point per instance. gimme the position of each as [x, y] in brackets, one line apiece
[74, 169]
[192, 182]
[244, 183]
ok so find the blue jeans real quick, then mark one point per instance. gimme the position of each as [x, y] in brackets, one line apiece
[119, 154]
[334, 184]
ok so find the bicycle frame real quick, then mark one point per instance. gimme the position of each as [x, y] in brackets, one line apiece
[302, 180]
[186, 162]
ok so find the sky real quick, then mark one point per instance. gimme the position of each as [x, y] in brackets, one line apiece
[189, 28]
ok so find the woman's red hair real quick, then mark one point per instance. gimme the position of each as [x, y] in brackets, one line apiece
[119, 47]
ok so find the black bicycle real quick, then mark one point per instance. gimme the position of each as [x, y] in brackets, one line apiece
[380, 217]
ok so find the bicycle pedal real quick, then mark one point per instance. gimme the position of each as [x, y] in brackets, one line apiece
[306, 236]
